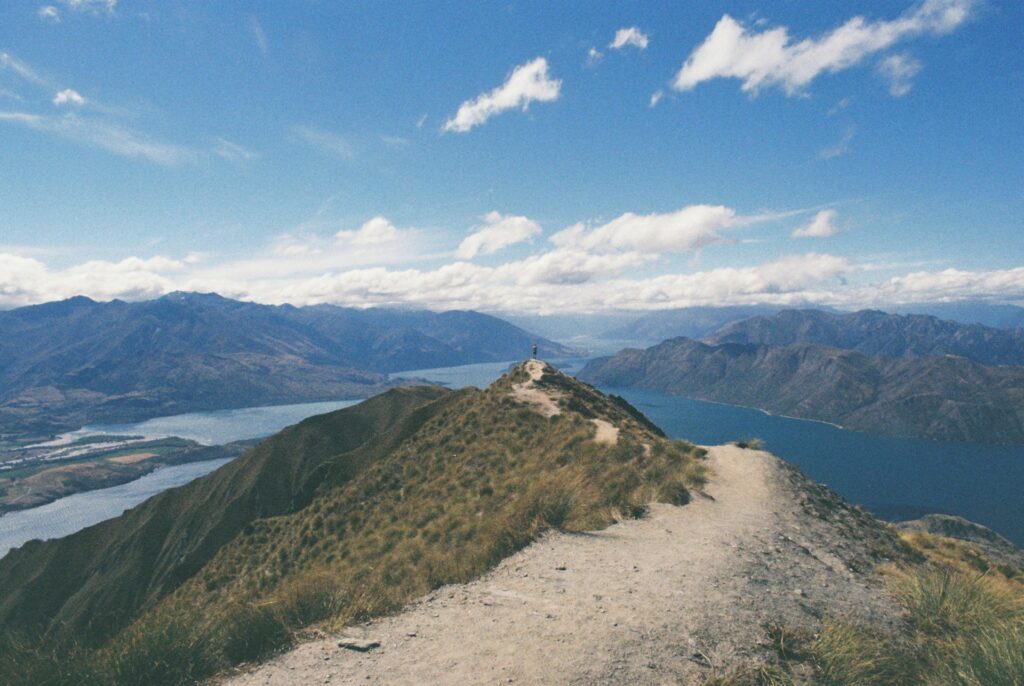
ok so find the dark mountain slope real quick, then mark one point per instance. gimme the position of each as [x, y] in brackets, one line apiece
[945, 398]
[877, 333]
[691, 322]
[62, 364]
[98, 578]
[329, 521]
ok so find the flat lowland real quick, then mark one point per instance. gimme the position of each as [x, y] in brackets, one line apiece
[679, 596]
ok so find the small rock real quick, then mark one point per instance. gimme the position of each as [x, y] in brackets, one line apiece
[560, 568]
[411, 634]
[361, 645]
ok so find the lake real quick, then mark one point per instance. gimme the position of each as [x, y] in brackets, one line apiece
[68, 515]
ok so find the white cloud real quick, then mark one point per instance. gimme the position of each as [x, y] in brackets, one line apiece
[394, 141]
[25, 72]
[841, 148]
[497, 233]
[656, 97]
[374, 232]
[91, 6]
[527, 83]
[68, 96]
[594, 57]
[822, 226]
[689, 228]
[324, 141]
[899, 70]
[105, 135]
[49, 13]
[763, 59]
[629, 36]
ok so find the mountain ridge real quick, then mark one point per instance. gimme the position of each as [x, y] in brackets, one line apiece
[944, 398]
[67, 363]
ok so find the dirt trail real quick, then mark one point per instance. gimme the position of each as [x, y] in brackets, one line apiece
[664, 599]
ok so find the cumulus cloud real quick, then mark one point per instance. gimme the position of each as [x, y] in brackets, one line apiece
[631, 36]
[769, 58]
[374, 232]
[689, 228]
[527, 83]
[822, 226]
[497, 233]
[68, 96]
[49, 13]
[899, 70]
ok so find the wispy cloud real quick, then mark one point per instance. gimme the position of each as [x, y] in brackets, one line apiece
[105, 135]
[656, 97]
[233, 152]
[594, 57]
[394, 141]
[769, 58]
[899, 70]
[527, 83]
[49, 13]
[91, 6]
[841, 147]
[324, 141]
[630, 36]
[9, 62]
[258, 36]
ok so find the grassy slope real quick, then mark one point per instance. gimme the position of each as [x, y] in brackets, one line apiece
[446, 493]
[94, 581]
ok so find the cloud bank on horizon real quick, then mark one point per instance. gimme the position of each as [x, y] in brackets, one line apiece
[582, 268]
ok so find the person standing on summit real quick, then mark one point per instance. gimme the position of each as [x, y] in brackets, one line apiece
[534, 351]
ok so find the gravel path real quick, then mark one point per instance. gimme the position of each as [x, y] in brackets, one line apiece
[669, 598]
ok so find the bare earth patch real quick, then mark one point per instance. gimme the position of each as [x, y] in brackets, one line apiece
[607, 432]
[670, 598]
[545, 400]
[133, 458]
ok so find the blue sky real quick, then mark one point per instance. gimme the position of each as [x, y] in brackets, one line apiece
[517, 157]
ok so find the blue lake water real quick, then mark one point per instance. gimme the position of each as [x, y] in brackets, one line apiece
[75, 512]
[895, 478]
[68, 515]
[219, 426]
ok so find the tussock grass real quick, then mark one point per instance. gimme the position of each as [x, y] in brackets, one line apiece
[481, 477]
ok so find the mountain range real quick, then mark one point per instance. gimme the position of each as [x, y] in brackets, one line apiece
[940, 397]
[66, 363]
[878, 333]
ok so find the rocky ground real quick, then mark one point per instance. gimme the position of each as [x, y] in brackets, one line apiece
[679, 595]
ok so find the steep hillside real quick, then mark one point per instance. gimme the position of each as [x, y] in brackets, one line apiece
[95, 580]
[65, 363]
[877, 333]
[345, 515]
[945, 398]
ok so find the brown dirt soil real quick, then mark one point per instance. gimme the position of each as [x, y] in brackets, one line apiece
[674, 597]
